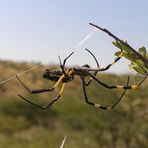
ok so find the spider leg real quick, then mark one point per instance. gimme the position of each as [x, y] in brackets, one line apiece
[109, 65]
[98, 105]
[115, 61]
[118, 100]
[103, 69]
[61, 66]
[69, 72]
[95, 73]
[49, 103]
[64, 62]
[117, 86]
[40, 90]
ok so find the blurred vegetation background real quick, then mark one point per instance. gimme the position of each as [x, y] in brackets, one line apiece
[23, 125]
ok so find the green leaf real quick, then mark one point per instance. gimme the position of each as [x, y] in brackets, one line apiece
[129, 57]
[136, 64]
[139, 63]
[137, 69]
[126, 55]
[143, 51]
[122, 46]
[117, 53]
[147, 56]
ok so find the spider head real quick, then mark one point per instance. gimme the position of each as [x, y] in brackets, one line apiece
[46, 73]
[52, 75]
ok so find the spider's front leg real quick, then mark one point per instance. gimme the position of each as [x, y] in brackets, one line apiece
[102, 69]
[115, 61]
[64, 62]
[95, 73]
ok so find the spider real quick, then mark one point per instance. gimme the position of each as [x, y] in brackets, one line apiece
[65, 76]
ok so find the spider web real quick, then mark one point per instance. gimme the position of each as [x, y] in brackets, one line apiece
[93, 31]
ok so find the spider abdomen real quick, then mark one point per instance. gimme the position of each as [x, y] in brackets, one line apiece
[55, 75]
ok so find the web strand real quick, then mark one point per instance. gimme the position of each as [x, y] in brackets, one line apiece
[86, 38]
[36, 66]
[63, 142]
[13, 77]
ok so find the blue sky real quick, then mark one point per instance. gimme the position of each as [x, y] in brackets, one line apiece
[40, 30]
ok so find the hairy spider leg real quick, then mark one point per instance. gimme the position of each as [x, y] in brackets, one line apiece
[98, 105]
[68, 72]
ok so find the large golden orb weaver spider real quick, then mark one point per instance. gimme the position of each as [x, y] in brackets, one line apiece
[65, 76]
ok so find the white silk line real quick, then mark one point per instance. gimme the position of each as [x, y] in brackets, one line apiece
[86, 38]
[78, 45]
[20, 73]
[63, 142]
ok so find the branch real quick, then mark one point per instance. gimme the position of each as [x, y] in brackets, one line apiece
[125, 44]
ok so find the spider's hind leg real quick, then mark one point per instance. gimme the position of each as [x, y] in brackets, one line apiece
[98, 105]
[49, 102]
